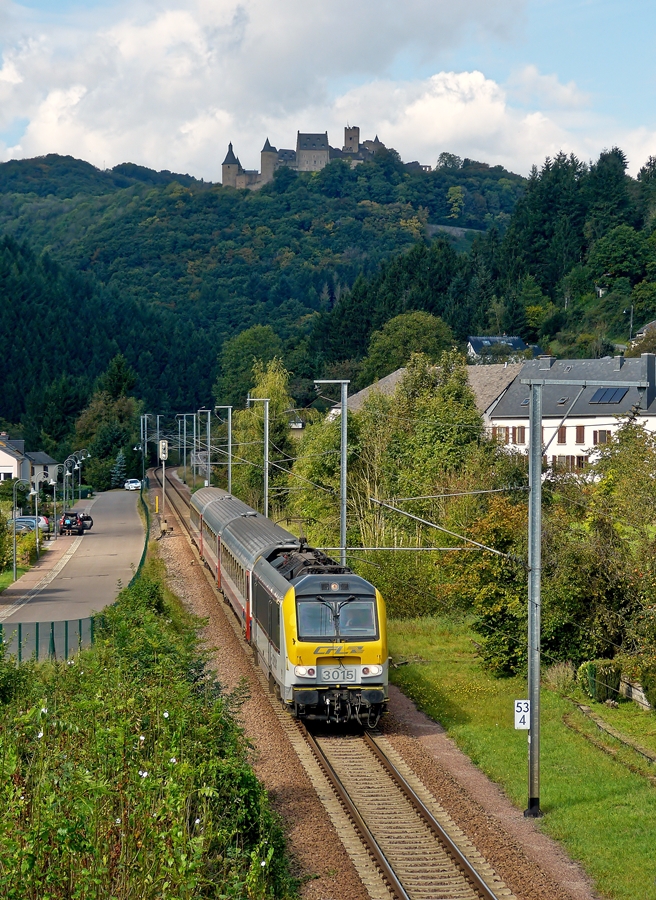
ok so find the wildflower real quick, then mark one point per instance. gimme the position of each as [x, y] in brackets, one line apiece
[197, 821]
[143, 773]
[118, 821]
[263, 863]
[44, 710]
[173, 760]
[141, 737]
[40, 734]
[166, 715]
[70, 662]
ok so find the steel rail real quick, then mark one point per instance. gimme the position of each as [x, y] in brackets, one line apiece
[366, 836]
[449, 845]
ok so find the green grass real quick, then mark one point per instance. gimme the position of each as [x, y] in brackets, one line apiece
[7, 578]
[603, 813]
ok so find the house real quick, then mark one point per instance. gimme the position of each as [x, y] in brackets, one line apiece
[487, 346]
[16, 462]
[597, 411]
[488, 384]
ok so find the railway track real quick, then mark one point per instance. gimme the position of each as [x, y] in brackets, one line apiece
[415, 855]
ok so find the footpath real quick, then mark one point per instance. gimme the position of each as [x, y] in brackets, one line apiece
[54, 557]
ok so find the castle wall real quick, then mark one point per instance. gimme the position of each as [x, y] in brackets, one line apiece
[229, 173]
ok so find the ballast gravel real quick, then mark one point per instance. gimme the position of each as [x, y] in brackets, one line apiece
[532, 866]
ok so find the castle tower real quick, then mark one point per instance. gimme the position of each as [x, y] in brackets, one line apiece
[269, 158]
[351, 140]
[230, 169]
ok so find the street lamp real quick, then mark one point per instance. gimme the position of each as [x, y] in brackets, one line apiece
[38, 481]
[71, 464]
[24, 486]
[58, 470]
[80, 456]
[266, 401]
[342, 476]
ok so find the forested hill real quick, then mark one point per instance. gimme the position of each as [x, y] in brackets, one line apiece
[178, 266]
[166, 269]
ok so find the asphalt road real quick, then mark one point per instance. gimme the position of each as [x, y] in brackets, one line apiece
[103, 561]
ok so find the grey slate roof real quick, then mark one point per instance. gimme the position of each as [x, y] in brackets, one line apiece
[268, 148]
[312, 141]
[608, 369]
[287, 155]
[38, 458]
[487, 383]
[11, 450]
[231, 159]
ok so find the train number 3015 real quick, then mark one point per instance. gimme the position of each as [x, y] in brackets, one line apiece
[337, 675]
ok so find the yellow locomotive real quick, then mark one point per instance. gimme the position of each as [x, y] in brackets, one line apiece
[318, 629]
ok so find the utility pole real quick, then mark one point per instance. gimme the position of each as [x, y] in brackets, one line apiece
[534, 595]
[229, 408]
[536, 451]
[342, 462]
[266, 401]
[194, 457]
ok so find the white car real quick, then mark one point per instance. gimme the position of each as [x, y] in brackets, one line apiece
[132, 484]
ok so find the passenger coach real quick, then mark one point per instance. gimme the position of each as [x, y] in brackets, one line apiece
[317, 628]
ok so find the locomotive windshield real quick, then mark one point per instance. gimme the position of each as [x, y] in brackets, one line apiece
[352, 618]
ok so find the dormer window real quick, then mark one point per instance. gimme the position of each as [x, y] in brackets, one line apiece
[525, 402]
[563, 401]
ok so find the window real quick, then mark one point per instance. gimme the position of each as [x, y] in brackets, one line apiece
[563, 401]
[524, 402]
[600, 437]
[501, 433]
[580, 434]
[349, 619]
[608, 395]
[520, 437]
[581, 462]
[562, 434]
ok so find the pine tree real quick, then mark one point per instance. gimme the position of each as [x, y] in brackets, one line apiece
[118, 470]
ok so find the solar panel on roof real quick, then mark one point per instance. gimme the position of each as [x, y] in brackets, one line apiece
[608, 395]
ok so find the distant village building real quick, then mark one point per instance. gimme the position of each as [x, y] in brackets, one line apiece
[16, 462]
[486, 347]
[312, 154]
[594, 414]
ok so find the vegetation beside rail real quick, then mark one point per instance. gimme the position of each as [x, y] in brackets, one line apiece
[598, 795]
[124, 774]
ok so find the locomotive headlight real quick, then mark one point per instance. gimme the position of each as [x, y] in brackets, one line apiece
[304, 671]
[368, 671]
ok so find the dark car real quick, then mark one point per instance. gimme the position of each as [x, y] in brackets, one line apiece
[87, 521]
[71, 523]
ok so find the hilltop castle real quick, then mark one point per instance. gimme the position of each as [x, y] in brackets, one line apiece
[312, 153]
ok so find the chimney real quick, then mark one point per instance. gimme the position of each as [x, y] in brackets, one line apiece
[619, 362]
[546, 362]
[648, 373]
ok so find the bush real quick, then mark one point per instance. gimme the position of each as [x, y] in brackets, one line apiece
[648, 683]
[124, 774]
[600, 679]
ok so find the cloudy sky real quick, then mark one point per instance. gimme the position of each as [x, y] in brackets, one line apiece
[167, 84]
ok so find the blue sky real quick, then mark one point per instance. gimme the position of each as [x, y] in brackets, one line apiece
[167, 83]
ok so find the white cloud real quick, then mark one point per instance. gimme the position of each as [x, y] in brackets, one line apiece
[530, 87]
[167, 84]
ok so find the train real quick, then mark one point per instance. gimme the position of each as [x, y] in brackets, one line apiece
[317, 629]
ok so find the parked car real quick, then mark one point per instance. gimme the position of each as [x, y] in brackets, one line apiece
[44, 524]
[87, 521]
[132, 484]
[21, 526]
[71, 523]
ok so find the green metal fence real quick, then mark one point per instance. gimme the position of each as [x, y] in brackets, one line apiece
[47, 640]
